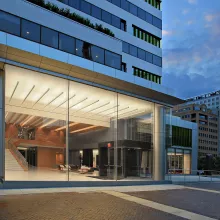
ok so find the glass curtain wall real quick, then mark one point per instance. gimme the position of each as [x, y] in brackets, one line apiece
[35, 107]
[179, 161]
[62, 130]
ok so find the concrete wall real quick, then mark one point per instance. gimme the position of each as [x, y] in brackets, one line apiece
[46, 157]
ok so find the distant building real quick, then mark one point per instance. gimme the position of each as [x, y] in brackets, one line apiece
[208, 126]
[211, 100]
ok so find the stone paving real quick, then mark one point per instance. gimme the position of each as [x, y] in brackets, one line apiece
[159, 202]
[199, 202]
[75, 206]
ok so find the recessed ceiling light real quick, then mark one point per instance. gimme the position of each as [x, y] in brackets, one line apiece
[76, 48]
[28, 32]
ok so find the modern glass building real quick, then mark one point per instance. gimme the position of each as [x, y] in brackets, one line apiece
[81, 95]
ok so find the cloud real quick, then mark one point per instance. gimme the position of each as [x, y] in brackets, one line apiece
[190, 86]
[209, 18]
[185, 11]
[190, 22]
[192, 1]
[167, 33]
[191, 62]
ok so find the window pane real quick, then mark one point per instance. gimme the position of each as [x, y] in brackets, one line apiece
[106, 17]
[112, 59]
[133, 50]
[157, 22]
[125, 47]
[116, 21]
[96, 12]
[74, 3]
[65, 1]
[149, 18]
[125, 5]
[79, 48]
[98, 54]
[141, 14]
[157, 60]
[149, 57]
[133, 9]
[86, 50]
[67, 43]
[49, 37]
[141, 54]
[85, 7]
[9, 23]
[116, 2]
[123, 25]
[30, 30]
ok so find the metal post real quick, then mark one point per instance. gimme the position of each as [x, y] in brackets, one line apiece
[2, 125]
[116, 143]
[159, 143]
[67, 133]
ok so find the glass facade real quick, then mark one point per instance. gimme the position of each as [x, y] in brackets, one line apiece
[140, 13]
[51, 38]
[141, 54]
[58, 130]
[96, 12]
[179, 161]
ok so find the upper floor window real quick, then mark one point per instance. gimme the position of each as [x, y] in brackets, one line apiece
[155, 3]
[146, 75]
[133, 9]
[49, 37]
[66, 43]
[85, 7]
[139, 12]
[138, 52]
[144, 35]
[97, 12]
[112, 60]
[57, 40]
[9, 23]
[30, 31]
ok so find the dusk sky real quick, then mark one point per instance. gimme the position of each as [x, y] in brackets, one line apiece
[191, 46]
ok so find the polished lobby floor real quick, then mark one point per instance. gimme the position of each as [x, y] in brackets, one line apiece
[50, 175]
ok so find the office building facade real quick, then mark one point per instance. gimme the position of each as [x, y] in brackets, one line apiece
[208, 126]
[212, 101]
[81, 93]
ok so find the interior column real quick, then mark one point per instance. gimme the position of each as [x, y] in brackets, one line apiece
[2, 124]
[159, 143]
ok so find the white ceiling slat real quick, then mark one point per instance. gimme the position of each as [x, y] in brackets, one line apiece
[14, 91]
[42, 97]
[63, 102]
[28, 94]
[53, 99]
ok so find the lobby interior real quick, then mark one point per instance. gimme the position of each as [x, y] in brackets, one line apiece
[109, 135]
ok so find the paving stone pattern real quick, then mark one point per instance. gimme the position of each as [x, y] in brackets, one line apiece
[75, 206]
[199, 202]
